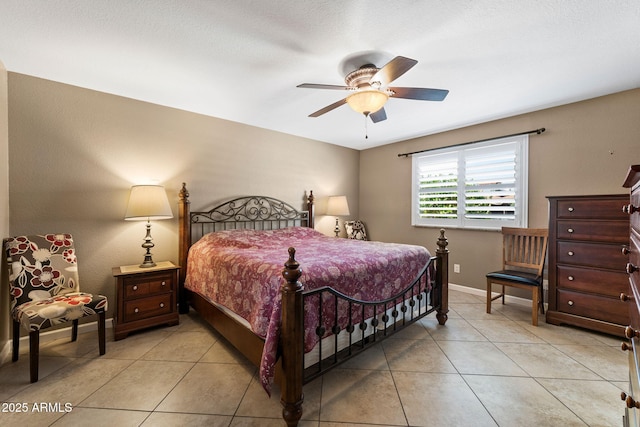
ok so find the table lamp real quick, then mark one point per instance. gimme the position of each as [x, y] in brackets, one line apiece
[337, 206]
[148, 202]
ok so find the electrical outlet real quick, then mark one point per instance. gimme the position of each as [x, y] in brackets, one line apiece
[456, 268]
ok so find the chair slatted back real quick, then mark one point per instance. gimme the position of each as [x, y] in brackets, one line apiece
[524, 248]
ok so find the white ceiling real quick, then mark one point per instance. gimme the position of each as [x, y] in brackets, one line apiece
[241, 60]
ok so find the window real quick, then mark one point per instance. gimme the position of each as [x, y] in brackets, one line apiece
[480, 185]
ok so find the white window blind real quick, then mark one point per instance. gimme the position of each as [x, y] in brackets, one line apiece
[480, 185]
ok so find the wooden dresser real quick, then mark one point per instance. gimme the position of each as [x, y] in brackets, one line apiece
[586, 262]
[632, 298]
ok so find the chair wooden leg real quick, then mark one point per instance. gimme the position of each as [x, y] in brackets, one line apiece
[16, 341]
[489, 296]
[74, 330]
[541, 292]
[534, 307]
[34, 354]
[102, 336]
[503, 293]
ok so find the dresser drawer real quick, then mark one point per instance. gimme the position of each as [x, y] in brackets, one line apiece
[634, 304]
[599, 231]
[149, 285]
[591, 254]
[143, 308]
[634, 245]
[591, 208]
[595, 307]
[635, 201]
[591, 280]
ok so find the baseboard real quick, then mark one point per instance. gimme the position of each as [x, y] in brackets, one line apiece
[483, 293]
[48, 336]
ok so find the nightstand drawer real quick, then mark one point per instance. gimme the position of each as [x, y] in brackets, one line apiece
[136, 288]
[147, 307]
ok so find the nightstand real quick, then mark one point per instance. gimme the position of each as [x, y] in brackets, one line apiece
[145, 297]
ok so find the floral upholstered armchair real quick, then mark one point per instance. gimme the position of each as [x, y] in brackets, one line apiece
[44, 287]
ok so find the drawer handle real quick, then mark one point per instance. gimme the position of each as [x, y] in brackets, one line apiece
[626, 347]
[626, 250]
[570, 253]
[629, 332]
[630, 401]
[624, 297]
[135, 310]
[570, 230]
[629, 209]
[630, 268]
[164, 283]
[161, 305]
[570, 303]
[135, 287]
[571, 278]
[570, 209]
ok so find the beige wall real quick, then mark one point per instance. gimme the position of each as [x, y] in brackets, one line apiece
[4, 205]
[587, 149]
[74, 153]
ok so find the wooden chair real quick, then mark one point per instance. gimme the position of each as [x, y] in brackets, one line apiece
[45, 291]
[523, 257]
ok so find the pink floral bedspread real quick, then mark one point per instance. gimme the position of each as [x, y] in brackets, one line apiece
[242, 270]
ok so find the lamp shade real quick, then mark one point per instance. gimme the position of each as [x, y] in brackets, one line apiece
[148, 202]
[337, 206]
[367, 101]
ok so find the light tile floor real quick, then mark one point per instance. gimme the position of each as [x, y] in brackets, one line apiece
[478, 370]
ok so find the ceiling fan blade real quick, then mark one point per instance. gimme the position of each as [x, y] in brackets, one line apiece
[321, 86]
[328, 108]
[419, 93]
[393, 69]
[378, 116]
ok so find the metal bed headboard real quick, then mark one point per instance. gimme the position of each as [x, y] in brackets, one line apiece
[250, 212]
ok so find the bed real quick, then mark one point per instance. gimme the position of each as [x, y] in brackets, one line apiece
[297, 303]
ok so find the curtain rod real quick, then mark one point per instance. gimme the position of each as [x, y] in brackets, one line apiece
[536, 131]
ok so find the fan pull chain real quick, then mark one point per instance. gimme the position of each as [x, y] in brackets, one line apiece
[366, 131]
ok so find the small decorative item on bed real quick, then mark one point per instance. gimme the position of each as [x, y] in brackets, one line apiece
[338, 296]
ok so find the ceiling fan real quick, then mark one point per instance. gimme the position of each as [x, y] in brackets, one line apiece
[369, 90]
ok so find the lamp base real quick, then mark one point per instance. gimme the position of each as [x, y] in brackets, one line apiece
[337, 229]
[148, 244]
[148, 262]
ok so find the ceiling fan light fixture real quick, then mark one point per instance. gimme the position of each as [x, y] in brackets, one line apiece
[367, 101]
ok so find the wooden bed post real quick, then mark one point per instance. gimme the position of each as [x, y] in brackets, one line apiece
[442, 273]
[184, 237]
[310, 209]
[292, 336]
